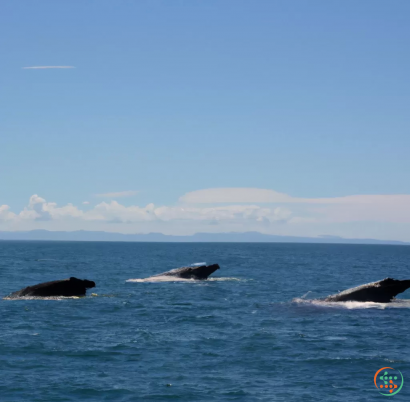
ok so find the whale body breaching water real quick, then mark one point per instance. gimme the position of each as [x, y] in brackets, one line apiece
[383, 291]
[196, 272]
[65, 287]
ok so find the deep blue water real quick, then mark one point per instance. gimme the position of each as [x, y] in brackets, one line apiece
[241, 338]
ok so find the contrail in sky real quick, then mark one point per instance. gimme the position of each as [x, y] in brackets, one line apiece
[44, 67]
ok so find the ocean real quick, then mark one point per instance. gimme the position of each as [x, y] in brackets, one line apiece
[253, 332]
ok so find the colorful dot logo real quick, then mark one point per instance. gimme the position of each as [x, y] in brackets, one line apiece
[390, 382]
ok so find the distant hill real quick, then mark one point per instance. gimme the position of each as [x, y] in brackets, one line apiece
[246, 237]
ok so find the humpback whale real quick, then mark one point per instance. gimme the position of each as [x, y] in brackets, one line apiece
[383, 291]
[199, 272]
[66, 287]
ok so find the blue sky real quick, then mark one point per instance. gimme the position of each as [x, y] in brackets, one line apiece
[304, 98]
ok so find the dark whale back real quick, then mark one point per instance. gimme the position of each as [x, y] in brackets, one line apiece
[65, 287]
[382, 291]
[200, 272]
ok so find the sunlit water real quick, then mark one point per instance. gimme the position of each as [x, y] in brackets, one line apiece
[255, 332]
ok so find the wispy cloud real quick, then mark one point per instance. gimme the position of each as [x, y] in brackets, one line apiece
[45, 67]
[232, 194]
[117, 195]
[259, 195]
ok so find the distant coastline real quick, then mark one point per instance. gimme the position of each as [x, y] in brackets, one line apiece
[232, 237]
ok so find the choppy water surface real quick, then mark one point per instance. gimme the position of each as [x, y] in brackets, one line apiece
[253, 333]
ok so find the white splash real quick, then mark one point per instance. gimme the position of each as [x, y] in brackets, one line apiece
[227, 279]
[354, 305]
[166, 278]
[43, 298]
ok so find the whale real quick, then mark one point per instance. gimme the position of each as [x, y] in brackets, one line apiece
[65, 287]
[383, 291]
[200, 272]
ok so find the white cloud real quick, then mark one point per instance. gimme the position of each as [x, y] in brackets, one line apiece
[226, 213]
[86, 203]
[120, 194]
[45, 67]
[376, 216]
[393, 208]
[258, 195]
[222, 195]
[115, 212]
[39, 209]
[5, 214]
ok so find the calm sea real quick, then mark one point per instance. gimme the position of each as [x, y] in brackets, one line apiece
[250, 334]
